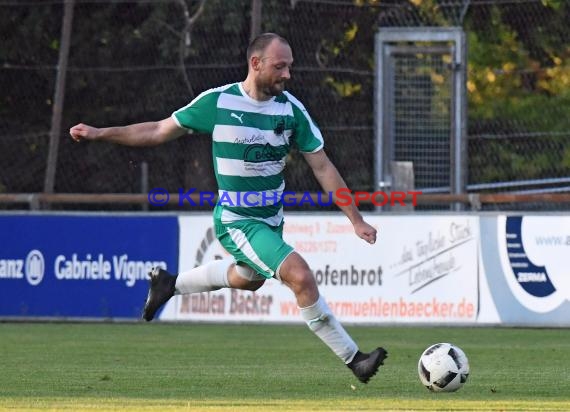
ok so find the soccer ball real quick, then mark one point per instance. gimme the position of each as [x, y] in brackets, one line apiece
[443, 367]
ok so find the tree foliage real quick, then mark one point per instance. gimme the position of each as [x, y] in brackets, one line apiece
[139, 60]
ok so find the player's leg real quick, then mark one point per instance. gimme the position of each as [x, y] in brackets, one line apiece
[163, 285]
[262, 247]
[295, 273]
[211, 276]
[218, 274]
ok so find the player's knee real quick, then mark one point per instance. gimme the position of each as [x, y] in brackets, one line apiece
[245, 278]
[301, 279]
[308, 280]
[254, 285]
[238, 282]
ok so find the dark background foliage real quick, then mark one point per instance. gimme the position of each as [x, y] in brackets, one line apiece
[139, 60]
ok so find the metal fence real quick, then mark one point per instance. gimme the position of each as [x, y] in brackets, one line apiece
[137, 60]
[421, 105]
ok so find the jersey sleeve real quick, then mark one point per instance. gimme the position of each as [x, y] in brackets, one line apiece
[199, 114]
[307, 135]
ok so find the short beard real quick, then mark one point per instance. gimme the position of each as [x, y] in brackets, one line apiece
[271, 89]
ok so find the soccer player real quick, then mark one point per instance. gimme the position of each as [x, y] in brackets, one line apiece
[253, 123]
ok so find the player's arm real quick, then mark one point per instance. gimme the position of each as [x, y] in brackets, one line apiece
[331, 180]
[139, 134]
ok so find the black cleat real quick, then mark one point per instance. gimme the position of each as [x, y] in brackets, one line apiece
[161, 288]
[365, 365]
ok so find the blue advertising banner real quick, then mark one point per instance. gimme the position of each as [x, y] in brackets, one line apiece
[82, 266]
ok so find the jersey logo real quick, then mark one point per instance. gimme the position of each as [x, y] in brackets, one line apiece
[279, 128]
[257, 153]
[237, 117]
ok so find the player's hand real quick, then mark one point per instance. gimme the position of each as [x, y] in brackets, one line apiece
[365, 231]
[82, 131]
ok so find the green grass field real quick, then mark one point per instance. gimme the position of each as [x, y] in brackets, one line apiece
[268, 367]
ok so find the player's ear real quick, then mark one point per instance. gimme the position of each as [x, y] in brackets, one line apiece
[255, 62]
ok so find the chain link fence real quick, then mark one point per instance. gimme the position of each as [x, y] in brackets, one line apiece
[139, 60]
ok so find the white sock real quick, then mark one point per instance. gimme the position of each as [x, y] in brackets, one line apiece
[323, 323]
[205, 278]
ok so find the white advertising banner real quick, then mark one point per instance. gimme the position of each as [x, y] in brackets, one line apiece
[421, 269]
[526, 265]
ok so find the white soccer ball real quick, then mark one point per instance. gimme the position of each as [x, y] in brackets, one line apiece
[443, 367]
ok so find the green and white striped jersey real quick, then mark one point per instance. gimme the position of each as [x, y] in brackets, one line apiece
[251, 140]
